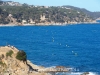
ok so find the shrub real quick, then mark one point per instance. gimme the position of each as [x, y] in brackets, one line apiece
[2, 64]
[9, 53]
[21, 55]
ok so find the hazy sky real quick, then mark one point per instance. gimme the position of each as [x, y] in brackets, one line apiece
[92, 5]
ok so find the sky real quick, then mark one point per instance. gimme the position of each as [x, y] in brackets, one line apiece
[91, 5]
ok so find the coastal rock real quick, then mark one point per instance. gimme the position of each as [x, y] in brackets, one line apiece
[85, 73]
[9, 65]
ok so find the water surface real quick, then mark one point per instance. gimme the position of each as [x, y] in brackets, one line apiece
[76, 46]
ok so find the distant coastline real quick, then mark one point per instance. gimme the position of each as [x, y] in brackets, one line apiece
[16, 14]
[50, 24]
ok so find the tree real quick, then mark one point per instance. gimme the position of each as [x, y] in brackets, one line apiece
[9, 53]
[21, 55]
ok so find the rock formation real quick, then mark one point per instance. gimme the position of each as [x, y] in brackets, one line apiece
[10, 65]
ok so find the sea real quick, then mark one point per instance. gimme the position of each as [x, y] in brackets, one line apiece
[76, 46]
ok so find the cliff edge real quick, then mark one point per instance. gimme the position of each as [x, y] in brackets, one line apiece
[12, 64]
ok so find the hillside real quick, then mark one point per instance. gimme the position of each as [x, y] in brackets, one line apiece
[19, 14]
[94, 15]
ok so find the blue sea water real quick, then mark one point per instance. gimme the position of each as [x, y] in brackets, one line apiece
[75, 46]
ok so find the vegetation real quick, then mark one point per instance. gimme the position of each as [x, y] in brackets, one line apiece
[21, 55]
[52, 14]
[94, 15]
[1, 56]
[9, 53]
[2, 64]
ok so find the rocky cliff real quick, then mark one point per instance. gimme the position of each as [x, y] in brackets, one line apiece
[11, 65]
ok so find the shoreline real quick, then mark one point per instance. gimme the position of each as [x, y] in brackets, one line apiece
[51, 24]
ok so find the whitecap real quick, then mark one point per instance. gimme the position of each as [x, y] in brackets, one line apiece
[76, 73]
[92, 73]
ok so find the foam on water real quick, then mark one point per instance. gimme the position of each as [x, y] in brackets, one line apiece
[73, 71]
[77, 73]
[92, 73]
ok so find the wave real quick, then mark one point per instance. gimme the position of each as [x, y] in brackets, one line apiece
[77, 73]
[73, 71]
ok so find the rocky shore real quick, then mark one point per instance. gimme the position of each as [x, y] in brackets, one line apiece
[13, 63]
[9, 65]
[50, 24]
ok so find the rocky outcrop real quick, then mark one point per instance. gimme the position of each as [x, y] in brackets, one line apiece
[9, 65]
